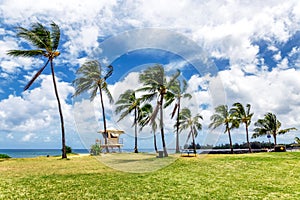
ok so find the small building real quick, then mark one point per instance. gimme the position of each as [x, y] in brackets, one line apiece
[113, 139]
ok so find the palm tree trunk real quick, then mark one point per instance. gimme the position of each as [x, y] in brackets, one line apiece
[105, 134]
[63, 138]
[230, 141]
[194, 144]
[135, 131]
[154, 141]
[275, 140]
[247, 135]
[177, 127]
[162, 125]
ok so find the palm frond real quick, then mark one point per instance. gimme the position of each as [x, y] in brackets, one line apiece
[148, 97]
[82, 85]
[124, 114]
[107, 92]
[173, 78]
[286, 130]
[31, 37]
[55, 36]
[185, 86]
[94, 89]
[109, 73]
[169, 97]
[26, 53]
[43, 33]
[187, 95]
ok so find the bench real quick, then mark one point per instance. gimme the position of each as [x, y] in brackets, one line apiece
[188, 153]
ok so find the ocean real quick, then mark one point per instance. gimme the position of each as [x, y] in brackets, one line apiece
[31, 153]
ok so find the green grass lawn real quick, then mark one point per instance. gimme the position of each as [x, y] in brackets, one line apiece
[247, 176]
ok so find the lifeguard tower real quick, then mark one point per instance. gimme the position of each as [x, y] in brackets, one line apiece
[113, 139]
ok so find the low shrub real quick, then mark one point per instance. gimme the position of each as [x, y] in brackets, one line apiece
[68, 149]
[96, 149]
[4, 156]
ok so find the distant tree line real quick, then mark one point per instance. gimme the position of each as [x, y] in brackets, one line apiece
[244, 145]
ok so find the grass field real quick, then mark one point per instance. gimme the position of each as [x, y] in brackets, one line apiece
[246, 176]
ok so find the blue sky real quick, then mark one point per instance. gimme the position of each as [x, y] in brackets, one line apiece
[252, 51]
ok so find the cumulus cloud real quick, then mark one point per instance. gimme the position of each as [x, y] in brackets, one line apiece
[36, 110]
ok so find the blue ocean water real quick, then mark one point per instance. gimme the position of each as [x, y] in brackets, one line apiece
[30, 153]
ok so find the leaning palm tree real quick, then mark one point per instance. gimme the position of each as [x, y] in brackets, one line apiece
[243, 116]
[187, 121]
[91, 76]
[269, 125]
[222, 116]
[144, 119]
[178, 90]
[45, 43]
[129, 103]
[155, 83]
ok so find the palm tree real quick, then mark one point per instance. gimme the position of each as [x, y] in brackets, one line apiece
[45, 43]
[269, 125]
[90, 78]
[243, 116]
[144, 119]
[156, 84]
[178, 90]
[223, 117]
[127, 103]
[186, 121]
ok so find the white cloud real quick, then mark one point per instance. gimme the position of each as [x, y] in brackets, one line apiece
[29, 137]
[37, 109]
[277, 56]
[10, 136]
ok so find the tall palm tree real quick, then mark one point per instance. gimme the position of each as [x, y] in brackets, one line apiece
[243, 116]
[155, 83]
[269, 125]
[222, 116]
[187, 121]
[178, 90]
[144, 119]
[128, 103]
[91, 76]
[45, 43]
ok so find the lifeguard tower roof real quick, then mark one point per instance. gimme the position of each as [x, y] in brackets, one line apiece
[113, 131]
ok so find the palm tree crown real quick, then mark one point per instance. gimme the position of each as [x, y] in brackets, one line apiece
[92, 77]
[41, 38]
[269, 125]
[46, 43]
